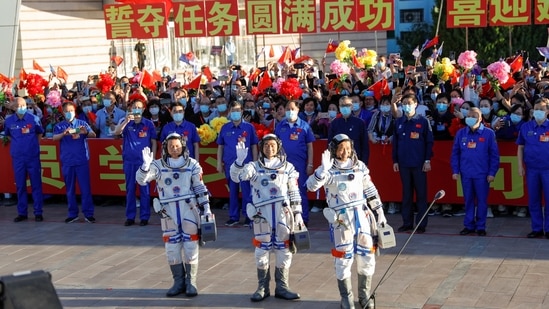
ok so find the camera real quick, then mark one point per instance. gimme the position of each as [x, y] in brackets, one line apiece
[299, 65]
[237, 68]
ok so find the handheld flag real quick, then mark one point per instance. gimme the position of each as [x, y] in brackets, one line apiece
[516, 64]
[36, 66]
[117, 60]
[430, 43]
[187, 58]
[62, 74]
[286, 56]
[271, 52]
[147, 80]
[260, 53]
[294, 53]
[264, 83]
[194, 84]
[332, 46]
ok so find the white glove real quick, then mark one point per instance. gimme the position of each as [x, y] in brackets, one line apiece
[298, 220]
[329, 214]
[381, 220]
[157, 206]
[207, 210]
[327, 160]
[147, 158]
[241, 153]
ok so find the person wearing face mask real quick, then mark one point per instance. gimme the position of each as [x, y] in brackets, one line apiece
[352, 199]
[297, 137]
[533, 145]
[353, 127]
[204, 115]
[137, 134]
[512, 123]
[85, 111]
[381, 127]
[229, 136]
[309, 113]
[186, 129]
[73, 135]
[154, 113]
[322, 125]
[488, 114]
[222, 108]
[475, 159]
[108, 116]
[412, 152]
[442, 118]
[24, 131]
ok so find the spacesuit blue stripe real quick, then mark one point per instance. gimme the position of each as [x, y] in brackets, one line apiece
[179, 225]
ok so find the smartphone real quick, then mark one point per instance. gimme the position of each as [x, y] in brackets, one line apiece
[246, 114]
[203, 87]
[323, 115]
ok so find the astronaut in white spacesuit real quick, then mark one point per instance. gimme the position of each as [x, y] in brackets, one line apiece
[275, 208]
[351, 196]
[182, 196]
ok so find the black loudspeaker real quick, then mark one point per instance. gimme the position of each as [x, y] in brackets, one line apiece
[28, 290]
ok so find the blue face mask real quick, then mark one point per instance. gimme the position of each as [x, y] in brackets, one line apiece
[291, 115]
[356, 106]
[515, 118]
[470, 121]
[385, 108]
[539, 115]
[304, 96]
[252, 111]
[266, 105]
[137, 111]
[407, 109]
[356, 91]
[429, 62]
[86, 109]
[94, 106]
[204, 109]
[235, 116]
[21, 110]
[495, 105]
[106, 102]
[434, 96]
[183, 101]
[178, 117]
[344, 92]
[309, 113]
[485, 111]
[441, 107]
[345, 111]
[332, 114]
[222, 107]
[69, 116]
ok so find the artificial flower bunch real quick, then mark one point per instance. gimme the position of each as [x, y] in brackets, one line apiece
[277, 83]
[367, 57]
[53, 99]
[340, 68]
[261, 130]
[217, 123]
[498, 74]
[444, 69]
[207, 134]
[467, 60]
[105, 83]
[291, 89]
[35, 84]
[344, 53]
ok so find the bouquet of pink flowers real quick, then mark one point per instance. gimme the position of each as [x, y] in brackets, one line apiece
[498, 73]
[467, 59]
[339, 68]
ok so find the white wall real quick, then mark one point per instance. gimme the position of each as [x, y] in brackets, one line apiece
[9, 29]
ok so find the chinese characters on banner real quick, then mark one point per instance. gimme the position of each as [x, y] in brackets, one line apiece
[478, 13]
[201, 18]
[141, 21]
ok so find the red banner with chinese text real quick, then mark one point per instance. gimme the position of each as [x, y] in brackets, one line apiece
[510, 13]
[465, 13]
[189, 19]
[222, 18]
[298, 16]
[107, 176]
[141, 21]
[541, 12]
[375, 15]
[262, 17]
[337, 16]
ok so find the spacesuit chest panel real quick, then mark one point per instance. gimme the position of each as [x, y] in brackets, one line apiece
[174, 183]
[345, 188]
[270, 184]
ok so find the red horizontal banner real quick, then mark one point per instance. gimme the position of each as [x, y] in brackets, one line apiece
[107, 177]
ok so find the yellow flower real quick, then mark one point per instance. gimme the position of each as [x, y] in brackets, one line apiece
[344, 53]
[369, 58]
[444, 69]
[218, 122]
[206, 134]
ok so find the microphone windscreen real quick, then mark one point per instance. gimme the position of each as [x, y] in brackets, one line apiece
[440, 194]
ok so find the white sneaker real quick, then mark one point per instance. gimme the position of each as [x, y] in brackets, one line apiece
[392, 209]
[522, 212]
[137, 204]
[316, 209]
[489, 214]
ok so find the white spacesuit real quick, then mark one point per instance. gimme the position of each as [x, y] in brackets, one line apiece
[182, 194]
[350, 194]
[275, 209]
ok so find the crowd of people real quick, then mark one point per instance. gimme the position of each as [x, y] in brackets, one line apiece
[417, 111]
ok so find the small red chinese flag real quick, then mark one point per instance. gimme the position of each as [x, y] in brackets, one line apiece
[36, 66]
[117, 59]
[332, 46]
[509, 83]
[271, 52]
[92, 117]
[265, 82]
[208, 73]
[195, 83]
[147, 80]
[62, 74]
[22, 74]
[516, 65]
[380, 88]
[157, 77]
[357, 63]
[286, 56]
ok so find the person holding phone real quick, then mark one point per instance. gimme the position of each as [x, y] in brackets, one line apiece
[108, 116]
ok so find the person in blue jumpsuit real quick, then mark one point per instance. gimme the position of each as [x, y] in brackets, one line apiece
[137, 133]
[297, 137]
[182, 127]
[73, 134]
[475, 157]
[412, 152]
[230, 134]
[353, 127]
[25, 132]
[533, 147]
[108, 116]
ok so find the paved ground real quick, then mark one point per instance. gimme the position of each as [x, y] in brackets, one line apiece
[108, 265]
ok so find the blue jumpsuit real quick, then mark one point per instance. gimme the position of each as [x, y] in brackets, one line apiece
[357, 130]
[295, 138]
[75, 166]
[136, 137]
[535, 139]
[412, 145]
[25, 154]
[228, 137]
[186, 129]
[475, 156]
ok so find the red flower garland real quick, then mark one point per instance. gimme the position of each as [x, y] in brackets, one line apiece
[105, 83]
[35, 84]
[291, 89]
[261, 130]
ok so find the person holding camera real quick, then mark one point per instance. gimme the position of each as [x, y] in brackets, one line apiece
[74, 157]
[137, 134]
[108, 116]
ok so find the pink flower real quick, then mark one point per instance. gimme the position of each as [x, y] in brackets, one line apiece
[53, 98]
[499, 70]
[339, 68]
[467, 59]
[278, 83]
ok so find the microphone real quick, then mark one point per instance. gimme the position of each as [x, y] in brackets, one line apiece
[440, 194]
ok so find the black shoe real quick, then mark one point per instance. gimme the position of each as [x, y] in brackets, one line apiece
[20, 218]
[144, 222]
[466, 231]
[420, 230]
[481, 232]
[38, 218]
[405, 228]
[71, 219]
[129, 222]
[534, 234]
[90, 219]
[547, 235]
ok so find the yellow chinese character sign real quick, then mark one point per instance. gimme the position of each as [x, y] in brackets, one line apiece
[337, 15]
[375, 15]
[262, 17]
[541, 12]
[189, 19]
[510, 12]
[222, 18]
[142, 21]
[298, 16]
[466, 13]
